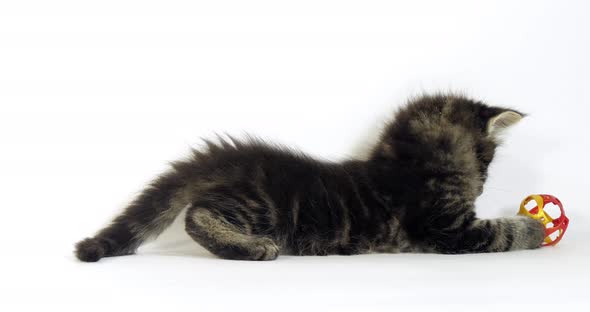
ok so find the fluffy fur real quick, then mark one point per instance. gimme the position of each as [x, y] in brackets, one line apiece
[252, 201]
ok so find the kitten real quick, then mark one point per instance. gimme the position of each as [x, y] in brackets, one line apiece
[251, 201]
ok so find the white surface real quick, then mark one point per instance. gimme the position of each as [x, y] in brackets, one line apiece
[95, 98]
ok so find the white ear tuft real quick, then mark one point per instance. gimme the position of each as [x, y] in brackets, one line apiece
[502, 121]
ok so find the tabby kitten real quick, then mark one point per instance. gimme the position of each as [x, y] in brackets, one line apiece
[251, 201]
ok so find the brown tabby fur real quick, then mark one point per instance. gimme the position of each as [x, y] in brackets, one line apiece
[416, 193]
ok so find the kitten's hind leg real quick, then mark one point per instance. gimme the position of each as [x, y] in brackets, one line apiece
[226, 240]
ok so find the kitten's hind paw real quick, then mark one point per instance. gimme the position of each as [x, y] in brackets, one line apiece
[89, 250]
[266, 249]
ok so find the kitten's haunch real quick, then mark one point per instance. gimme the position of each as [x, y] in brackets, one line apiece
[253, 201]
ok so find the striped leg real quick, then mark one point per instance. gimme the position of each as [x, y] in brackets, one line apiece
[226, 239]
[493, 235]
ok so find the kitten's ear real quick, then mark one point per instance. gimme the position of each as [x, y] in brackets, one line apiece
[503, 120]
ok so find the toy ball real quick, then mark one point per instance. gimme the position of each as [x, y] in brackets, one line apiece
[554, 227]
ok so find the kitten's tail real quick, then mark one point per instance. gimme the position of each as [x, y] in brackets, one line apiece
[147, 216]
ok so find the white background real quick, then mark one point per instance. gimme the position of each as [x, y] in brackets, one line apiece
[97, 96]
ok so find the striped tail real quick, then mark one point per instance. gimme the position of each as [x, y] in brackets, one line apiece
[146, 217]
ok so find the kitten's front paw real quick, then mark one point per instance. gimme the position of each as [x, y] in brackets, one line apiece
[534, 233]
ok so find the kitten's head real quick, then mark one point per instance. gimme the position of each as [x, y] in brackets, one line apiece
[445, 133]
